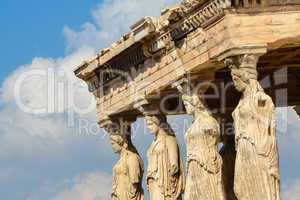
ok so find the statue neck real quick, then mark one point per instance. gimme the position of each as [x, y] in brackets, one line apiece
[247, 92]
[251, 88]
[123, 152]
[200, 114]
[161, 133]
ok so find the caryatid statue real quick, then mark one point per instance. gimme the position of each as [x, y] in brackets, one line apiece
[128, 172]
[257, 162]
[204, 164]
[165, 173]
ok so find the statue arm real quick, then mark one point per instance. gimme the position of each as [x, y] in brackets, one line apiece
[173, 156]
[135, 174]
[266, 120]
[274, 169]
[273, 122]
[271, 150]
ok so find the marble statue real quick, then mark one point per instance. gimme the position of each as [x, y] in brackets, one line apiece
[204, 171]
[257, 166]
[128, 172]
[165, 174]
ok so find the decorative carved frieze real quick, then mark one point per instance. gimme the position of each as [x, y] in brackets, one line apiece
[263, 3]
[119, 68]
[195, 51]
[143, 29]
[190, 4]
[202, 18]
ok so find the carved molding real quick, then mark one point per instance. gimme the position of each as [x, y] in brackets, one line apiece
[201, 18]
[186, 83]
[143, 29]
[263, 3]
[246, 61]
[143, 105]
[257, 49]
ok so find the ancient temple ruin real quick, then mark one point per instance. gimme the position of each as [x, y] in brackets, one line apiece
[245, 57]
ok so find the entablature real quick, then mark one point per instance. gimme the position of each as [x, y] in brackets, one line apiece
[192, 37]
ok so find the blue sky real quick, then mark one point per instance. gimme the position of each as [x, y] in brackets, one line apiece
[34, 29]
[61, 154]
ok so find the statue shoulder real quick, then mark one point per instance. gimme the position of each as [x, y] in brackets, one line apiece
[210, 123]
[132, 157]
[134, 160]
[171, 139]
[263, 100]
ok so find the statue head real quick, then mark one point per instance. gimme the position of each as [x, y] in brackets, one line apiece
[240, 79]
[158, 124]
[193, 96]
[244, 73]
[192, 103]
[118, 143]
[154, 123]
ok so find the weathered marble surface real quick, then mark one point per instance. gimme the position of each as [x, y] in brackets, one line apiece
[127, 173]
[165, 174]
[204, 163]
[257, 163]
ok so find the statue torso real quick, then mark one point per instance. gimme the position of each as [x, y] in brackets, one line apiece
[120, 178]
[202, 144]
[154, 154]
[252, 119]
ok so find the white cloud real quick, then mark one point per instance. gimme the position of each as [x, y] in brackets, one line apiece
[288, 126]
[28, 135]
[92, 186]
[55, 89]
[291, 191]
[54, 92]
[111, 19]
[46, 82]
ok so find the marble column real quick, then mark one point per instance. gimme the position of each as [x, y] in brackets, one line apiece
[128, 171]
[257, 163]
